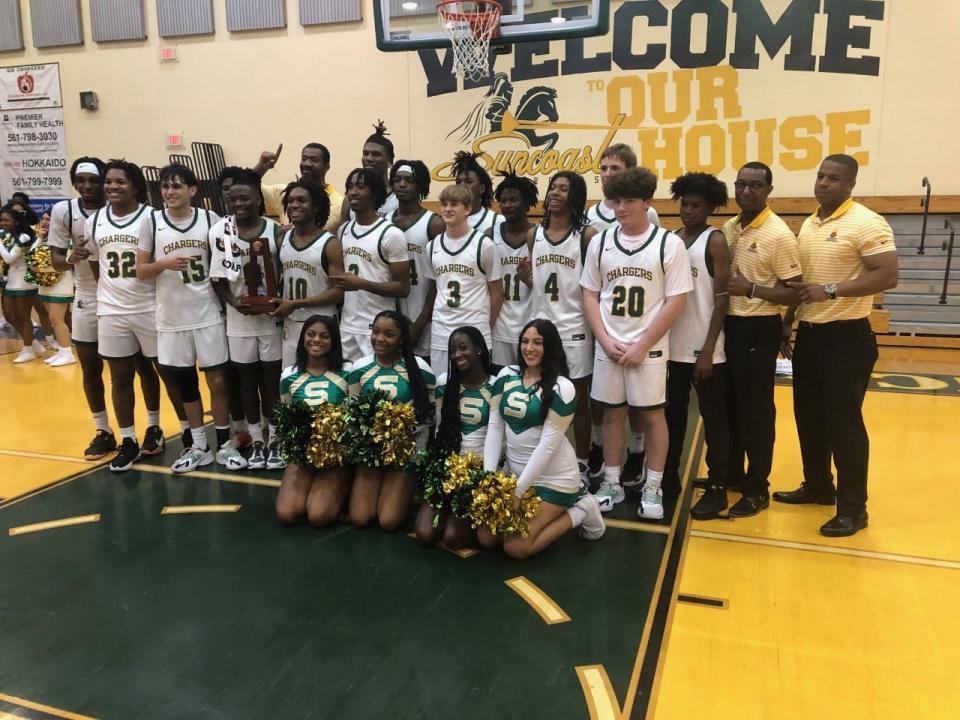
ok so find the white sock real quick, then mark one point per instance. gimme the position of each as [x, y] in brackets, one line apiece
[184, 425]
[240, 426]
[128, 432]
[256, 432]
[272, 432]
[596, 435]
[582, 461]
[654, 478]
[101, 421]
[636, 442]
[153, 418]
[577, 515]
[199, 438]
[611, 474]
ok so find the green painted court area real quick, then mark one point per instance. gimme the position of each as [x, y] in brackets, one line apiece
[229, 615]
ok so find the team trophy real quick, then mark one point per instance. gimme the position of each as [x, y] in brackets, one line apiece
[260, 277]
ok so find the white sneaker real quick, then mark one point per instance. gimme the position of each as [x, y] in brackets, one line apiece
[230, 457]
[258, 457]
[651, 503]
[53, 344]
[38, 348]
[608, 495]
[192, 458]
[63, 357]
[592, 527]
[26, 355]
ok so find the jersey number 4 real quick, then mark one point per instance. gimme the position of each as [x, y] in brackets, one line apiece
[121, 264]
[552, 288]
[627, 302]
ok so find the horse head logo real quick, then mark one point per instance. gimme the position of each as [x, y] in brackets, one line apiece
[538, 104]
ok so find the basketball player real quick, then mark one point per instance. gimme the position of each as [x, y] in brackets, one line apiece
[696, 339]
[254, 339]
[376, 262]
[765, 258]
[309, 255]
[314, 165]
[558, 246]
[464, 266]
[174, 252]
[516, 195]
[410, 180]
[377, 157]
[615, 159]
[70, 254]
[470, 173]
[635, 280]
[601, 216]
[127, 311]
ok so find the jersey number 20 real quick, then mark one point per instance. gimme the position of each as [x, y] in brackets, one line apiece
[627, 301]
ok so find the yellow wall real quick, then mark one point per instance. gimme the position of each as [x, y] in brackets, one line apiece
[249, 91]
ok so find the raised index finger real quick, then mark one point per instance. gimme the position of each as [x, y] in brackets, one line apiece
[279, 150]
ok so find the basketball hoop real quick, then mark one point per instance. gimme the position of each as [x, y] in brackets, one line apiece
[470, 26]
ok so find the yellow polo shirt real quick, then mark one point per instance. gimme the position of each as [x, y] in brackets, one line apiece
[832, 251]
[765, 251]
[273, 200]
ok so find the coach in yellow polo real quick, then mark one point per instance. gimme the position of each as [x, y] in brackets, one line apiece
[848, 256]
[764, 257]
[314, 164]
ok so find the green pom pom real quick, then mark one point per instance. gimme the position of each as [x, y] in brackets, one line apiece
[294, 425]
[360, 411]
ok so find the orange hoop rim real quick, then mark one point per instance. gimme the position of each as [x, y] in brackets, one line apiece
[492, 12]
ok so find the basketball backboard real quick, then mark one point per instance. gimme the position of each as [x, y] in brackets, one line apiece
[413, 24]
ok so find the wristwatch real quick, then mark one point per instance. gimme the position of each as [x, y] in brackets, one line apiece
[831, 290]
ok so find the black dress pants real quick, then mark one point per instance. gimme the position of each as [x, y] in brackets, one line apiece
[712, 400]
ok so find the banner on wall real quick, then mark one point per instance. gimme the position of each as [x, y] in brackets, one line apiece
[33, 151]
[691, 87]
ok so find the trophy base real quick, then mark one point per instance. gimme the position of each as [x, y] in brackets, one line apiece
[259, 304]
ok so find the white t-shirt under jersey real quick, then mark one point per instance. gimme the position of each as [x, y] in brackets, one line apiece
[634, 275]
[113, 242]
[68, 220]
[185, 300]
[690, 329]
[368, 251]
[462, 267]
[602, 218]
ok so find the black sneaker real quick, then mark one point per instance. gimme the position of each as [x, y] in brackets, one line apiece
[632, 475]
[103, 444]
[153, 441]
[128, 455]
[595, 462]
[710, 504]
[186, 438]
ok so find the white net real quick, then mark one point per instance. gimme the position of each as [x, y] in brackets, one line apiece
[470, 27]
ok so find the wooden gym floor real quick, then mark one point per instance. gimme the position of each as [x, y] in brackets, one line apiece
[169, 596]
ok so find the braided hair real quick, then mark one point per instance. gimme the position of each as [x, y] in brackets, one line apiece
[577, 199]
[379, 137]
[421, 174]
[318, 198]
[368, 178]
[466, 162]
[448, 432]
[525, 186]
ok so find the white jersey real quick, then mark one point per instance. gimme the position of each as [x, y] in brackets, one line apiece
[185, 300]
[389, 207]
[484, 219]
[113, 242]
[633, 277]
[462, 267]
[556, 285]
[368, 251]
[238, 324]
[304, 274]
[67, 227]
[690, 330]
[418, 248]
[517, 298]
[602, 218]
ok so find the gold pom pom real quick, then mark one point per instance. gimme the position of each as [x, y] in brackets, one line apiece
[326, 449]
[496, 505]
[41, 263]
[459, 471]
[393, 429]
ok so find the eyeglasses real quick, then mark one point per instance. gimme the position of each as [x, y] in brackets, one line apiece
[743, 185]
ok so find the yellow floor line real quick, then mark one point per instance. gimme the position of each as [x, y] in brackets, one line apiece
[65, 714]
[542, 603]
[601, 700]
[48, 456]
[51, 524]
[637, 526]
[828, 549]
[184, 509]
[239, 477]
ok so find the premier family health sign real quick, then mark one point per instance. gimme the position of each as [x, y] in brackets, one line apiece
[33, 152]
